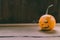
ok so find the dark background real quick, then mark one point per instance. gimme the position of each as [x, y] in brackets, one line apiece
[27, 11]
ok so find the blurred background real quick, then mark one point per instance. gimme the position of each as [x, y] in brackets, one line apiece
[27, 11]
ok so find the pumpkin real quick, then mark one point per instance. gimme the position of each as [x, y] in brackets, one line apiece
[47, 22]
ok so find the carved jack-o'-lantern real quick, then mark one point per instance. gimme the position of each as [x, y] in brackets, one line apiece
[47, 22]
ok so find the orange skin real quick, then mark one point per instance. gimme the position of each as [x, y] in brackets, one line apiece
[51, 22]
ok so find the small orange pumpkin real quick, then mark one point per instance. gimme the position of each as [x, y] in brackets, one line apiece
[47, 22]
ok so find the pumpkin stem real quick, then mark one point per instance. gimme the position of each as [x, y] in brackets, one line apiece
[48, 8]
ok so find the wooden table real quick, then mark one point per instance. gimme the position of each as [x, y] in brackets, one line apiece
[27, 32]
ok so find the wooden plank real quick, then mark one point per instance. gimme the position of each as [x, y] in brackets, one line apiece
[22, 25]
[5, 9]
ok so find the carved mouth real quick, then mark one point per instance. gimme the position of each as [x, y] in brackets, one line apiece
[46, 27]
